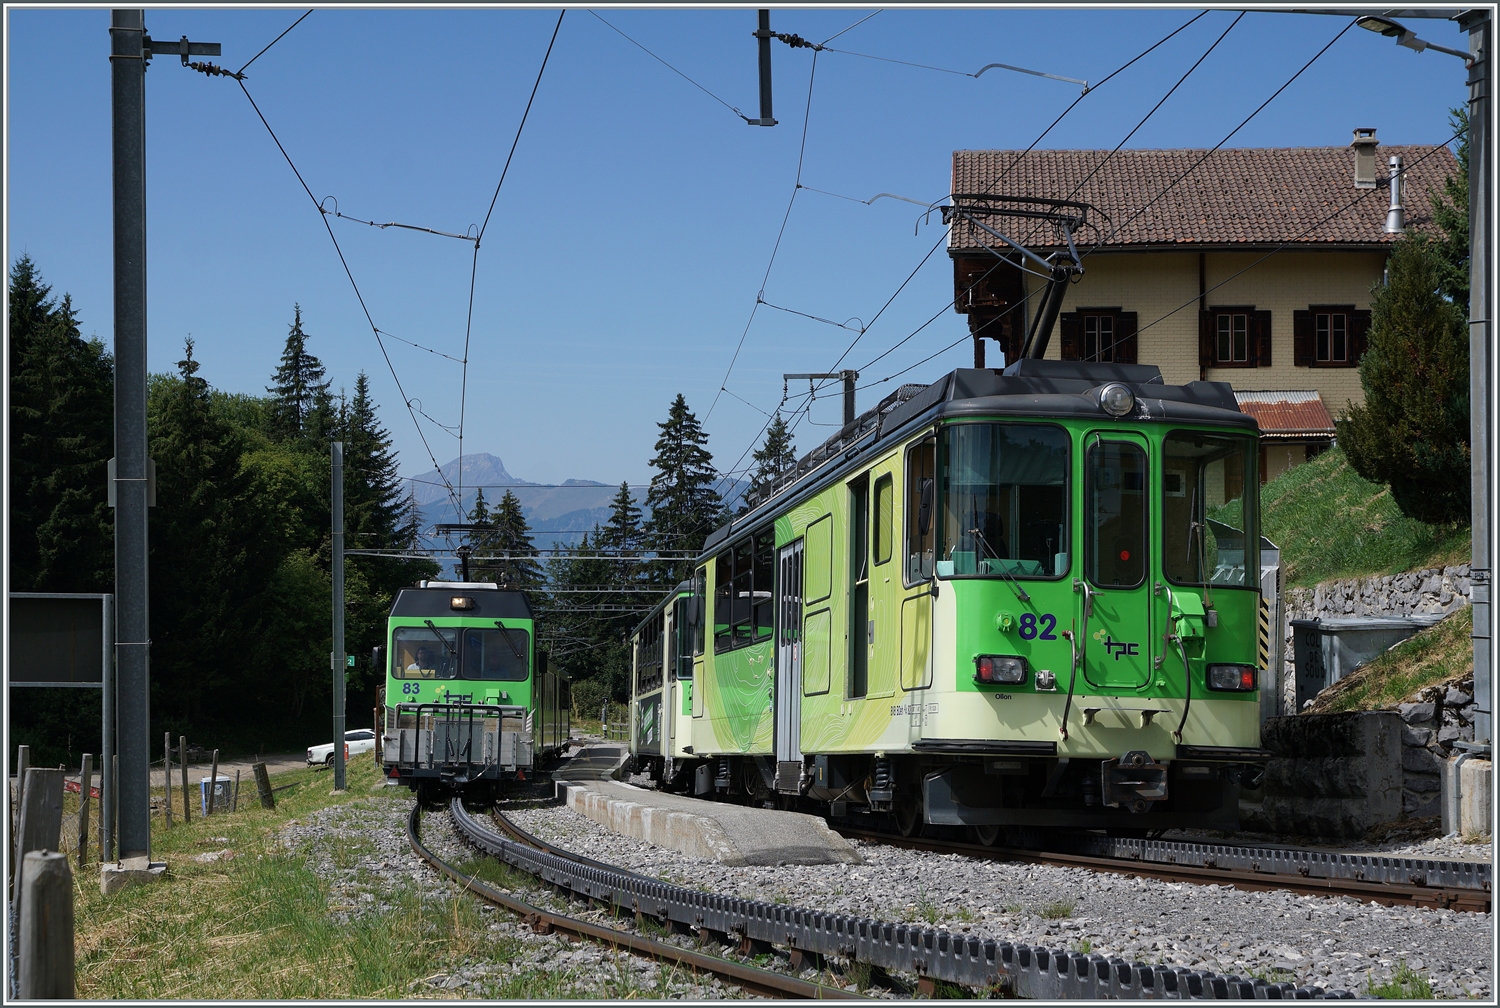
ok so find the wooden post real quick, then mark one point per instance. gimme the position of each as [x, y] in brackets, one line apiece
[85, 785]
[234, 802]
[23, 760]
[213, 784]
[166, 761]
[40, 825]
[263, 785]
[45, 925]
[187, 796]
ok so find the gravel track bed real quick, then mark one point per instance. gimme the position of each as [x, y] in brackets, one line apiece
[360, 850]
[1329, 942]
[1417, 839]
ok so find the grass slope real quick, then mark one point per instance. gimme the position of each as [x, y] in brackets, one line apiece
[1441, 653]
[1330, 523]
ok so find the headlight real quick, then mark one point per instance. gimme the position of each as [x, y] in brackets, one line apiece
[1116, 399]
[1238, 678]
[999, 669]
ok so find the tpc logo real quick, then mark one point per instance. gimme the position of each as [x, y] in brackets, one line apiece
[1114, 647]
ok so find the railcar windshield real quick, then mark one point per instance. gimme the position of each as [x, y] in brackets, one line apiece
[461, 653]
[1004, 509]
[1210, 509]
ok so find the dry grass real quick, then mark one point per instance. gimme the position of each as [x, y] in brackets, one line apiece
[1440, 654]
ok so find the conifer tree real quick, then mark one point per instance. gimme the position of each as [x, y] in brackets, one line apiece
[775, 455]
[513, 539]
[62, 431]
[301, 404]
[684, 506]
[1412, 433]
[1450, 212]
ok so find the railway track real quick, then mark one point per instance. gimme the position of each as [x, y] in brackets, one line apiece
[749, 978]
[809, 936]
[1455, 885]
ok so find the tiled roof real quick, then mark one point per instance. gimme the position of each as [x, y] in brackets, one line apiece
[1287, 414]
[1251, 195]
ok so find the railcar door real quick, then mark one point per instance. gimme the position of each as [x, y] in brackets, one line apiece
[788, 685]
[1115, 596]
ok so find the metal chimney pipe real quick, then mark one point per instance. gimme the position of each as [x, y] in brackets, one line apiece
[1395, 219]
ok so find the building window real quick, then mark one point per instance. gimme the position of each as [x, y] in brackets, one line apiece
[1333, 337]
[1234, 336]
[1330, 335]
[1099, 334]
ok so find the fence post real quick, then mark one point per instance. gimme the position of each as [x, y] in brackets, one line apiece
[85, 785]
[213, 784]
[23, 760]
[40, 825]
[187, 800]
[263, 785]
[234, 802]
[46, 927]
[166, 761]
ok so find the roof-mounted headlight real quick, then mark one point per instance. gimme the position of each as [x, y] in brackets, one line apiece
[1116, 399]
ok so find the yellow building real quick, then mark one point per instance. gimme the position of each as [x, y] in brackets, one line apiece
[1253, 266]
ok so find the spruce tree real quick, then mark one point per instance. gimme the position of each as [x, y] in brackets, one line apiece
[513, 539]
[301, 404]
[1412, 433]
[684, 506]
[482, 541]
[62, 432]
[1450, 212]
[775, 455]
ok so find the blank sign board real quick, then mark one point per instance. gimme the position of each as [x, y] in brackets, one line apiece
[57, 639]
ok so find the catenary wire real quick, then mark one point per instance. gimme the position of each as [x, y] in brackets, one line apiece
[850, 28]
[278, 38]
[463, 389]
[676, 71]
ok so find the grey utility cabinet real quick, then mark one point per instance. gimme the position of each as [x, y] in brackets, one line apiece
[1326, 650]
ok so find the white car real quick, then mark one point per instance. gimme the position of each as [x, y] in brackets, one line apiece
[360, 740]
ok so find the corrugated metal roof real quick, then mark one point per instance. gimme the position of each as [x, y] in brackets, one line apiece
[1250, 195]
[1287, 414]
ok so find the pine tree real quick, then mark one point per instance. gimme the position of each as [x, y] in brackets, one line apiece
[482, 540]
[1450, 212]
[684, 506]
[62, 432]
[513, 539]
[775, 455]
[302, 406]
[377, 509]
[1412, 433]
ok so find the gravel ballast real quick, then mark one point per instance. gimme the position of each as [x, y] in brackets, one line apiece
[1329, 942]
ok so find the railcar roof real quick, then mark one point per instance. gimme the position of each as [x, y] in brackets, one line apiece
[1027, 388]
[489, 603]
[683, 588]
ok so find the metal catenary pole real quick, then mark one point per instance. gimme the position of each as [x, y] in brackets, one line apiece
[336, 658]
[133, 629]
[1478, 24]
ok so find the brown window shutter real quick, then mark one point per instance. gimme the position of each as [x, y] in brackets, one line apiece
[1303, 338]
[1205, 339]
[1359, 334]
[1125, 346]
[1263, 338]
[1072, 334]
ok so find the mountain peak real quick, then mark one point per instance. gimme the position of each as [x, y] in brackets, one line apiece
[480, 469]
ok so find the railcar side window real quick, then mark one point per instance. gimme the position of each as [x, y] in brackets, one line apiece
[697, 611]
[885, 506]
[1209, 509]
[648, 653]
[1116, 514]
[421, 653]
[921, 510]
[743, 578]
[1004, 491]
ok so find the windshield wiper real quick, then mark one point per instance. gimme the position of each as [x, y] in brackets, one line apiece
[433, 627]
[1020, 592]
[505, 632]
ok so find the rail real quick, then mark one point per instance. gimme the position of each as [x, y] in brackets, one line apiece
[1019, 970]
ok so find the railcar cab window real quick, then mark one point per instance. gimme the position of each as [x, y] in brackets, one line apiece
[1209, 509]
[1003, 501]
[454, 653]
[743, 576]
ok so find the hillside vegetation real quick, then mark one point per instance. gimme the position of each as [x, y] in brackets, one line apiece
[1331, 523]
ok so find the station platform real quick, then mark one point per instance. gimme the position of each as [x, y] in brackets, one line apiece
[594, 760]
[730, 834]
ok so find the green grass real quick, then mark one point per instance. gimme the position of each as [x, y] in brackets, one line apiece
[1330, 523]
[1405, 985]
[1056, 910]
[1438, 654]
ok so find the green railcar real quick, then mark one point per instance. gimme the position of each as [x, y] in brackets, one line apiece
[663, 649]
[470, 702]
[1019, 598]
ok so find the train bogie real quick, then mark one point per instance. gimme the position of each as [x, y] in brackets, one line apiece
[1018, 599]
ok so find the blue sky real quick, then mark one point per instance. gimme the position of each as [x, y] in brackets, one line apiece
[635, 226]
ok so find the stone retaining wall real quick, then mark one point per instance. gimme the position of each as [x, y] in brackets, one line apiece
[1442, 590]
[1335, 775]
[1440, 716]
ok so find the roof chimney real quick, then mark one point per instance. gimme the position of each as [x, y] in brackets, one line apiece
[1364, 158]
[1395, 219]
